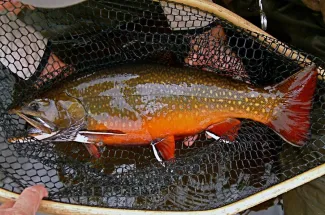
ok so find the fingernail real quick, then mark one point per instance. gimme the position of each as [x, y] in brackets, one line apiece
[45, 192]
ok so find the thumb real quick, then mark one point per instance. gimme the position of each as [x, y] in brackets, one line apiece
[29, 200]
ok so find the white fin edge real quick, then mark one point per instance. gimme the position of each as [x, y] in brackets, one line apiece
[99, 133]
[216, 137]
[155, 152]
[81, 139]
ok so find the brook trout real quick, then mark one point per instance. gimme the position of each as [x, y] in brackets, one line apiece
[144, 104]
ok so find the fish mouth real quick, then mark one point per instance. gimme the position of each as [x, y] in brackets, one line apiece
[35, 133]
[42, 129]
[42, 125]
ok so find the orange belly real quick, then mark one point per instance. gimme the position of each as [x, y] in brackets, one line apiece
[176, 123]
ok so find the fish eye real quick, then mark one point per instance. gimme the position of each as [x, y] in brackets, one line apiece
[34, 106]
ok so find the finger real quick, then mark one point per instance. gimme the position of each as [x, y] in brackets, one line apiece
[31, 7]
[30, 199]
[322, 9]
[5, 6]
[186, 142]
[53, 64]
[10, 6]
[218, 32]
[207, 136]
[7, 204]
[196, 47]
[190, 143]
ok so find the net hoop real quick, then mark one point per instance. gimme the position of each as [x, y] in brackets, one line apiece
[57, 208]
[52, 207]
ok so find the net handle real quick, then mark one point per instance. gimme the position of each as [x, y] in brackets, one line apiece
[253, 30]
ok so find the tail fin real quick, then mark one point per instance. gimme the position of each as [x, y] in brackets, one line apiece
[291, 120]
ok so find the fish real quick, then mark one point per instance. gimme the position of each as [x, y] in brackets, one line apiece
[149, 104]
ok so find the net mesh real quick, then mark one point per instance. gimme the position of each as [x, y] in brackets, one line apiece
[40, 47]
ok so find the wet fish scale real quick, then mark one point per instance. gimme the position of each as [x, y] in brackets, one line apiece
[148, 103]
[151, 96]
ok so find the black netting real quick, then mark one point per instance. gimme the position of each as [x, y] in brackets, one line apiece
[41, 47]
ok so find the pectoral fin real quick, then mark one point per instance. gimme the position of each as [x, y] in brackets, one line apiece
[228, 127]
[101, 132]
[93, 150]
[95, 136]
[166, 147]
[91, 138]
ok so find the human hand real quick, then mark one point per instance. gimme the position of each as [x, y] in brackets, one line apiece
[189, 140]
[316, 5]
[210, 51]
[53, 68]
[27, 203]
[322, 8]
[12, 6]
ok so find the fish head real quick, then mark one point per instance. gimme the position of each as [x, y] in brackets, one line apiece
[40, 113]
[50, 115]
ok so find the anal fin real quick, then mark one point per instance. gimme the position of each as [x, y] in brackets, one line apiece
[166, 147]
[228, 127]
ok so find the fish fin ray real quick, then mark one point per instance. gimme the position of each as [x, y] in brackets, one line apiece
[94, 136]
[166, 147]
[212, 135]
[291, 119]
[81, 138]
[109, 132]
[229, 127]
[93, 150]
[90, 146]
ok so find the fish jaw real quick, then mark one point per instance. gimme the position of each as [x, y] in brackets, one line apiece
[37, 122]
[42, 136]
